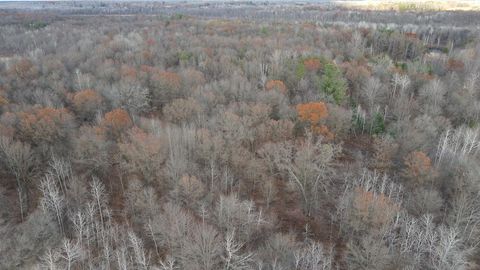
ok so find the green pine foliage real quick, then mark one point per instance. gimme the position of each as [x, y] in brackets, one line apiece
[378, 124]
[333, 83]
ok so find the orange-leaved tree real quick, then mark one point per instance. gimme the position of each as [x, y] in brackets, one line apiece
[418, 167]
[91, 149]
[165, 87]
[116, 122]
[373, 210]
[314, 114]
[182, 110]
[312, 64]
[190, 189]
[3, 99]
[276, 85]
[24, 69]
[128, 73]
[45, 125]
[167, 79]
[192, 78]
[86, 103]
[455, 65]
[324, 131]
[143, 153]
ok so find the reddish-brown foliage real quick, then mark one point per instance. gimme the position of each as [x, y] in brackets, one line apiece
[276, 85]
[45, 124]
[455, 65]
[191, 189]
[148, 69]
[356, 71]
[384, 151]
[90, 148]
[86, 102]
[303, 49]
[193, 78]
[376, 210]
[150, 42]
[312, 64]
[276, 130]
[411, 35]
[147, 55]
[418, 166]
[7, 124]
[167, 78]
[3, 101]
[423, 77]
[128, 73]
[24, 68]
[180, 110]
[117, 121]
[309, 25]
[323, 131]
[312, 112]
[143, 153]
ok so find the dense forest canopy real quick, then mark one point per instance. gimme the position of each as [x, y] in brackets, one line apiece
[243, 135]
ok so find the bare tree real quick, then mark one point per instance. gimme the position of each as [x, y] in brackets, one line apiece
[372, 91]
[181, 142]
[70, 252]
[433, 97]
[471, 82]
[448, 252]
[169, 228]
[308, 166]
[233, 258]
[168, 264]
[465, 216]
[121, 255]
[19, 159]
[97, 190]
[269, 191]
[201, 249]
[61, 170]
[400, 85]
[314, 257]
[241, 216]
[130, 96]
[79, 221]
[457, 145]
[53, 200]
[139, 254]
[49, 260]
[367, 253]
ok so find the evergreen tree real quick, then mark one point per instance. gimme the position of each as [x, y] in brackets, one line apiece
[333, 83]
